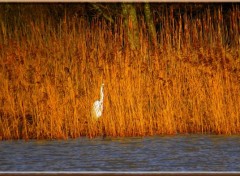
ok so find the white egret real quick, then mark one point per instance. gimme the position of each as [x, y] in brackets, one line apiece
[97, 108]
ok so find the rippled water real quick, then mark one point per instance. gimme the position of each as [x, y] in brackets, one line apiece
[161, 153]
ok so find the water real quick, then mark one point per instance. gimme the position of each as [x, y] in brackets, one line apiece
[160, 153]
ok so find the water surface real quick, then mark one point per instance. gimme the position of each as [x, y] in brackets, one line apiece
[158, 153]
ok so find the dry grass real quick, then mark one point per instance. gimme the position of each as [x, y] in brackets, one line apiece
[50, 77]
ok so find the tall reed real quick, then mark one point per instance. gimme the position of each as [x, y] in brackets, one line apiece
[51, 75]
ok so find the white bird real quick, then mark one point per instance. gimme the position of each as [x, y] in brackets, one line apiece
[97, 108]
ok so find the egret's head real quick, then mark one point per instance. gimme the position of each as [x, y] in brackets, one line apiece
[102, 84]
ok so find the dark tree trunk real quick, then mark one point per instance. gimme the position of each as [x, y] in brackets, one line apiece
[131, 24]
[151, 27]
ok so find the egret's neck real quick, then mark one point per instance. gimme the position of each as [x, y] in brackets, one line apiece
[101, 94]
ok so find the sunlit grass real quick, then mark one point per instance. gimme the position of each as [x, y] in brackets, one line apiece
[50, 77]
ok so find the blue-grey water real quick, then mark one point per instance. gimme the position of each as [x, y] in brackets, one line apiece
[159, 153]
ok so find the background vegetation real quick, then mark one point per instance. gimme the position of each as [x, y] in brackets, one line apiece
[167, 69]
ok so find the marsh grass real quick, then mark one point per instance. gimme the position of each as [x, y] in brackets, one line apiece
[51, 75]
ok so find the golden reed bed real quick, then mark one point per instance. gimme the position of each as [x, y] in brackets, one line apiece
[50, 76]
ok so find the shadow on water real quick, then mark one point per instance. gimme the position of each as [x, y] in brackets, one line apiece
[158, 153]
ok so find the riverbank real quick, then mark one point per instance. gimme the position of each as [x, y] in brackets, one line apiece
[51, 75]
